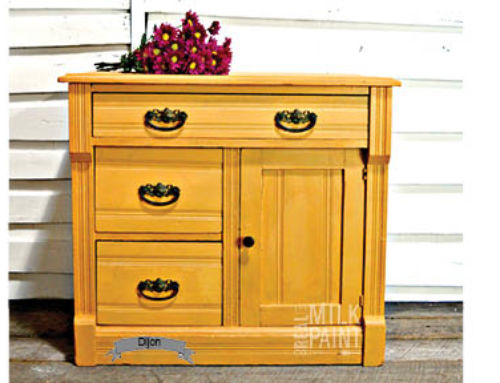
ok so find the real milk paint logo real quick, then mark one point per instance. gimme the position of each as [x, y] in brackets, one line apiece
[151, 343]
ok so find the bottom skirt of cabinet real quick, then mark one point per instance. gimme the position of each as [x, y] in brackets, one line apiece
[228, 345]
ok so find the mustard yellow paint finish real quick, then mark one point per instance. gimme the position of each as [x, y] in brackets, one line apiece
[196, 172]
[230, 116]
[314, 202]
[196, 267]
[305, 208]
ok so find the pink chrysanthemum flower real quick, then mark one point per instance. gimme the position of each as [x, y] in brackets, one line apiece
[165, 34]
[190, 20]
[194, 64]
[214, 28]
[175, 60]
[190, 49]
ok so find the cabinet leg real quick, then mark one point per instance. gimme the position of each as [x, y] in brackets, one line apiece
[84, 341]
[374, 341]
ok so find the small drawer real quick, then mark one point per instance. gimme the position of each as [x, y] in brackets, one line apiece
[127, 274]
[243, 116]
[158, 190]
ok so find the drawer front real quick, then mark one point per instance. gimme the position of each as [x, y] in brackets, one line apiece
[230, 116]
[125, 202]
[122, 300]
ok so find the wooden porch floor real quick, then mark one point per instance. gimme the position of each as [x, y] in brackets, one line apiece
[424, 344]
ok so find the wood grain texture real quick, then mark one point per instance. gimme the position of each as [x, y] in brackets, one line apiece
[308, 209]
[196, 172]
[196, 267]
[80, 125]
[231, 236]
[230, 116]
[268, 79]
[242, 345]
[376, 225]
[286, 229]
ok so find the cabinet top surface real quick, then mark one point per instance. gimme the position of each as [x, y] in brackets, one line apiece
[270, 79]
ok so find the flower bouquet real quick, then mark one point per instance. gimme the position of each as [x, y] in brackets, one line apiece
[188, 49]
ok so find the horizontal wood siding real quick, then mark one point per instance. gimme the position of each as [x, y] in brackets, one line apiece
[48, 39]
[420, 43]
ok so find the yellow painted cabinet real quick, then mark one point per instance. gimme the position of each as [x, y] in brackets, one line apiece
[304, 211]
[242, 216]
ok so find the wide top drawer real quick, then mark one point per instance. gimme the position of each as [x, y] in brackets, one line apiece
[231, 116]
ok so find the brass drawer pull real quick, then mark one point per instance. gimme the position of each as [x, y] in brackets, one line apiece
[166, 116]
[295, 117]
[159, 190]
[158, 286]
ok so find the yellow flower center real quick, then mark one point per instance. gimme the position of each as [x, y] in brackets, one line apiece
[190, 22]
[174, 59]
[175, 46]
[194, 49]
[197, 35]
[156, 51]
[214, 62]
[165, 36]
[214, 53]
[192, 65]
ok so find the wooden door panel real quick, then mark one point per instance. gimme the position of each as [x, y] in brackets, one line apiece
[305, 209]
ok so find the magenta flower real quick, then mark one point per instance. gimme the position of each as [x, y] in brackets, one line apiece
[190, 49]
[165, 34]
[195, 64]
[191, 19]
[214, 28]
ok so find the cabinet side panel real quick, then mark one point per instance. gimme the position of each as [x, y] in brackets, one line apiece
[376, 225]
[80, 121]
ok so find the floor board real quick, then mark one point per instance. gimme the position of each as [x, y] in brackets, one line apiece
[424, 345]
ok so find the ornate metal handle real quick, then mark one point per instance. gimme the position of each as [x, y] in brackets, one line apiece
[295, 117]
[159, 190]
[167, 116]
[158, 286]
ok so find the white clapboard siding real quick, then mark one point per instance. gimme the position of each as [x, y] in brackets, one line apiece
[40, 201]
[42, 29]
[40, 285]
[428, 107]
[48, 39]
[426, 158]
[40, 117]
[434, 210]
[414, 259]
[39, 160]
[425, 12]
[45, 248]
[69, 4]
[418, 42]
[291, 46]
[38, 71]
[405, 293]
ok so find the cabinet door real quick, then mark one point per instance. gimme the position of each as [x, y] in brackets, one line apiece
[305, 211]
